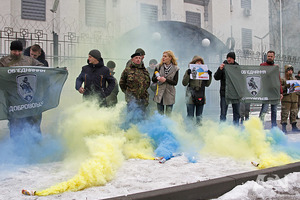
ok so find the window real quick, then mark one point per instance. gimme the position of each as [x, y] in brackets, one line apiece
[246, 4]
[246, 38]
[95, 13]
[33, 10]
[164, 7]
[149, 13]
[196, 2]
[193, 18]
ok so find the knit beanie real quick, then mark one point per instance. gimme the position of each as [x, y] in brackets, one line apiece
[16, 45]
[140, 51]
[96, 54]
[231, 55]
[111, 64]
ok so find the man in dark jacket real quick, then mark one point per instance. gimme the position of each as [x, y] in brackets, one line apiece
[112, 99]
[264, 106]
[97, 79]
[35, 51]
[220, 75]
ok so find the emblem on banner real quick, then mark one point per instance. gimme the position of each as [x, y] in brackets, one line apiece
[26, 84]
[253, 84]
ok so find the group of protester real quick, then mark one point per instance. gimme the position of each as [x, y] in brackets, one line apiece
[157, 81]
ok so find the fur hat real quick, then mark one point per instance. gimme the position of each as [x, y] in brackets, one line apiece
[197, 58]
[288, 67]
[111, 64]
[96, 54]
[231, 55]
[135, 54]
[140, 51]
[16, 45]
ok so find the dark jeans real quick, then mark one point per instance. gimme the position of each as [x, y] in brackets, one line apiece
[26, 125]
[235, 111]
[161, 109]
[264, 110]
[191, 111]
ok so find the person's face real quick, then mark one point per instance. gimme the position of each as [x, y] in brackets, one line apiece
[152, 65]
[166, 59]
[16, 53]
[93, 60]
[111, 69]
[230, 60]
[34, 54]
[270, 56]
[137, 59]
[199, 62]
[290, 72]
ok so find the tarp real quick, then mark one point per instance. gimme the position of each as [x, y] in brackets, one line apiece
[252, 84]
[29, 90]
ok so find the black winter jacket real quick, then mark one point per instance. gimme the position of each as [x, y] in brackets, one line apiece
[41, 58]
[97, 79]
[220, 75]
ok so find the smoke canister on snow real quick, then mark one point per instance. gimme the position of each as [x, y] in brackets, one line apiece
[28, 192]
[254, 163]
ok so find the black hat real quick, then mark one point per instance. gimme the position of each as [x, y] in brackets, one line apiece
[140, 51]
[16, 45]
[111, 64]
[231, 55]
[96, 54]
[135, 54]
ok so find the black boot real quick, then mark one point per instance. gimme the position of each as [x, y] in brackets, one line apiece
[294, 127]
[284, 127]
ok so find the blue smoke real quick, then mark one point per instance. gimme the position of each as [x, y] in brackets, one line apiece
[30, 147]
[165, 142]
[280, 143]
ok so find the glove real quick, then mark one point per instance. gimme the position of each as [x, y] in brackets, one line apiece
[189, 71]
[209, 72]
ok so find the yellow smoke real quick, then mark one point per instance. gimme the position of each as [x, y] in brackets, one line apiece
[94, 139]
[250, 143]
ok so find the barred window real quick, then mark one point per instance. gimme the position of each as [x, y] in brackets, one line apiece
[193, 18]
[246, 4]
[95, 13]
[246, 38]
[33, 10]
[149, 13]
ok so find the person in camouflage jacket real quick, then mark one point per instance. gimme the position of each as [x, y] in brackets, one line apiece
[134, 82]
[289, 102]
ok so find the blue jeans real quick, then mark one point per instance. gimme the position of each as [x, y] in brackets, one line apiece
[235, 111]
[191, 111]
[161, 108]
[264, 110]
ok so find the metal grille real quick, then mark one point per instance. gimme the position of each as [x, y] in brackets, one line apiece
[34, 9]
[193, 18]
[246, 38]
[149, 13]
[246, 4]
[95, 13]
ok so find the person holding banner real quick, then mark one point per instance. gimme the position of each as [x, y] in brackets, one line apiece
[264, 106]
[166, 77]
[97, 79]
[195, 91]
[16, 58]
[220, 76]
[289, 102]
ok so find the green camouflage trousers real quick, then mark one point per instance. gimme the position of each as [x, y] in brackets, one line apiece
[289, 108]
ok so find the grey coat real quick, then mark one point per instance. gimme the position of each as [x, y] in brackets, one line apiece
[166, 91]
